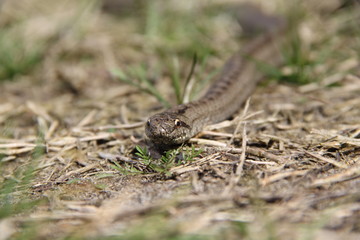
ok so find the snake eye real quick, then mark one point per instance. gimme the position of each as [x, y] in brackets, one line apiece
[148, 123]
[177, 122]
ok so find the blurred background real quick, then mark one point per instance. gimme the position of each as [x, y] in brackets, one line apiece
[75, 45]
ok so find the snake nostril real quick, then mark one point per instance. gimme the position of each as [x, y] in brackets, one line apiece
[162, 131]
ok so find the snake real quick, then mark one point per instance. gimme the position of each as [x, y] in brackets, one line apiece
[234, 84]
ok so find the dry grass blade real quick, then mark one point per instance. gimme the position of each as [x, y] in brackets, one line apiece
[87, 119]
[283, 175]
[207, 142]
[38, 110]
[348, 174]
[246, 108]
[9, 152]
[339, 138]
[257, 152]
[17, 145]
[328, 160]
[76, 172]
[119, 126]
[196, 165]
[54, 125]
[6, 107]
[234, 180]
[121, 158]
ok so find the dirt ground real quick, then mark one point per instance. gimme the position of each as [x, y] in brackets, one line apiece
[69, 127]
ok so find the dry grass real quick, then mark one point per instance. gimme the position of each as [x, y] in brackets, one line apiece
[287, 168]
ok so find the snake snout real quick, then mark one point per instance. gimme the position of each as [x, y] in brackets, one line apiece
[162, 131]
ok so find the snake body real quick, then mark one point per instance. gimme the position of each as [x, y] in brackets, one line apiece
[235, 83]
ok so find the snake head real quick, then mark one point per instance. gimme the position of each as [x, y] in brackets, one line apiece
[166, 129]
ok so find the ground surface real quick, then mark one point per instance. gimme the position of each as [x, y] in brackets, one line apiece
[69, 127]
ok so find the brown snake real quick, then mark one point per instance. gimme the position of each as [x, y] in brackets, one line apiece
[235, 83]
